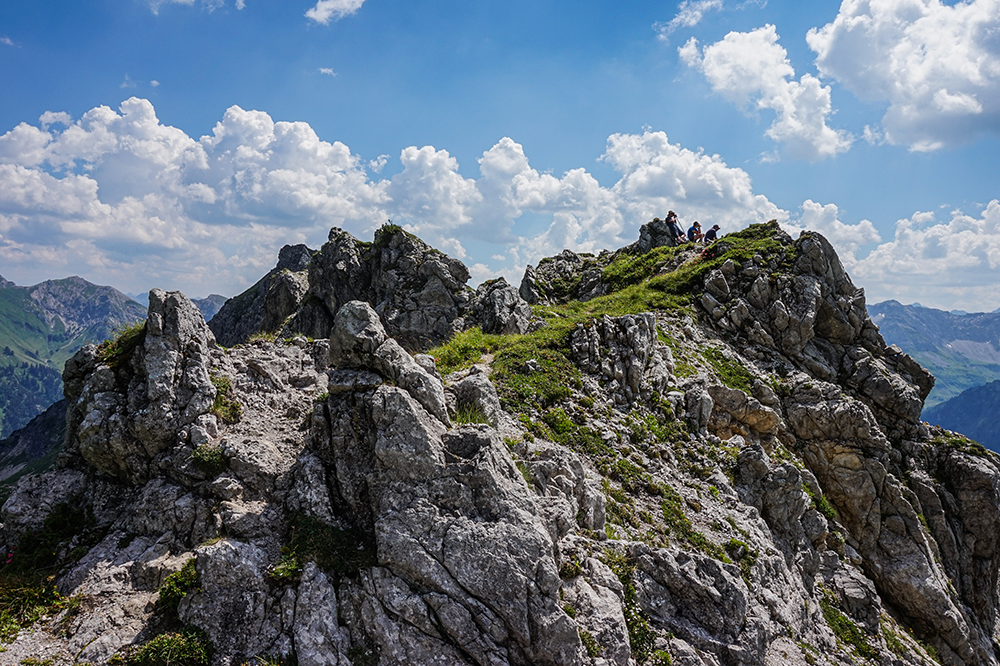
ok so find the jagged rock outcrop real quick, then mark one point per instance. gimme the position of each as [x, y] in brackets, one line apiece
[570, 276]
[499, 308]
[656, 233]
[742, 480]
[265, 306]
[124, 412]
[564, 277]
[419, 292]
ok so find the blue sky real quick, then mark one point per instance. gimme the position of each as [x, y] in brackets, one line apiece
[179, 144]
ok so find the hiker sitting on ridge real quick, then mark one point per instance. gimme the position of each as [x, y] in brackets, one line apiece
[710, 234]
[675, 228]
[694, 233]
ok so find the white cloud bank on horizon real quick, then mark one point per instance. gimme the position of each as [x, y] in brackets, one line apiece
[333, 10]
[953, 264]
[752, 71]
[937, 66]
[119, 198]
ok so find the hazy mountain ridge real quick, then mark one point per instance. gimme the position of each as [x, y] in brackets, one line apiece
[41, 327]
[33, 448]
[960, 350]
[972, 412]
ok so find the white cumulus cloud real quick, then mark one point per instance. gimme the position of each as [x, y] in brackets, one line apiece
[118, 197]
[333, 10]
[949, 264]
[6, 41]
[846, 238]
[937, 66]
[752, 71]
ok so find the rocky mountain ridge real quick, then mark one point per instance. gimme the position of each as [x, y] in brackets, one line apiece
[715, 460]
[208, 306]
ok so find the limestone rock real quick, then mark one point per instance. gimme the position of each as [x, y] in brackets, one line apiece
[499, 308]
[626, 352]
[419, 293]
[165, 377]
[266, 305]
[566, 276]
[651, 513]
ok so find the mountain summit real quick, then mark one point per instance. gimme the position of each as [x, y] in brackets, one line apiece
[40, 328]
[683, 455]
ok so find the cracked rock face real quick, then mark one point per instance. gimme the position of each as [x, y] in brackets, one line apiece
[743, 482]
[500, 309]
[166, 385]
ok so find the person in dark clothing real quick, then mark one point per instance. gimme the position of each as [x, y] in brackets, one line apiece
[694, 233]
[675, 228]
[710, 235]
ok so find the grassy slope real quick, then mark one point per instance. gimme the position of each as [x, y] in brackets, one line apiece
[32, 354]
[644, 289]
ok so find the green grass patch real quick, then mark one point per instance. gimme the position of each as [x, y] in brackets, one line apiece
[743, 556]
[534, 372]
[469, 413]
[117, 350]
[287, 569]
[681, 528]
[963, 444]
[619, 507]
[590, 643]
[740, 246]
[682, 362]
[821, 503]
[846, 630]
[570, 569]
[661, 658]
[732, 373]
[209, 459]
[26, 599]
[561, 430]
[641, 635]
[187, 647]
[464, 350]
[27, 577]
[892, 639]
[627, 269]
[176, 586]
[227, 409]
[263, 336]
[660, 428]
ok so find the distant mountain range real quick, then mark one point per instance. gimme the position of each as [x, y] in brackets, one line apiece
[40, 328]
[34, 447]
[972, 412]
[961, 350]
